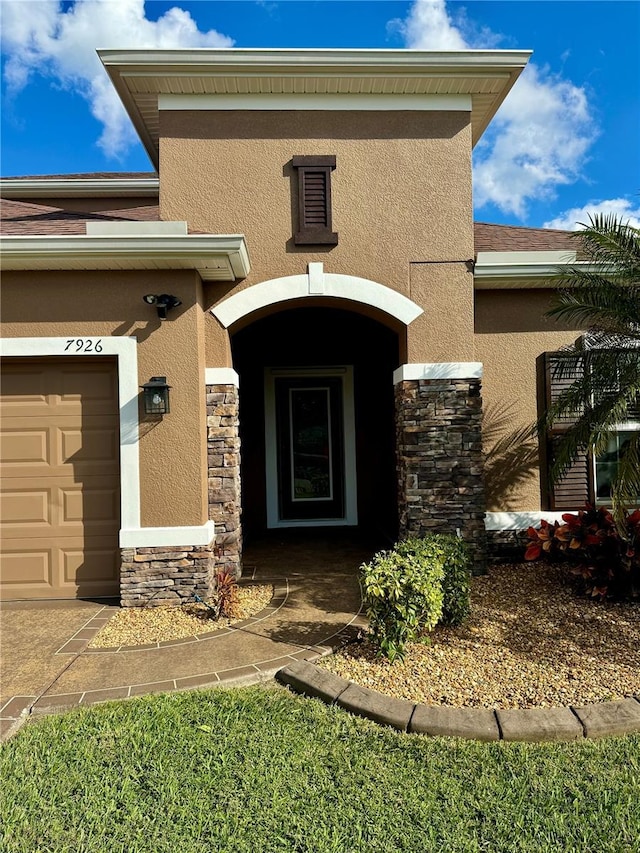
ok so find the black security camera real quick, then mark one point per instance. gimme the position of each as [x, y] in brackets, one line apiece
[164, 302]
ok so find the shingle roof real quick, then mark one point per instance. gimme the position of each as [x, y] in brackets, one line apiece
[24, 218]
[516, 238]
[88, 176]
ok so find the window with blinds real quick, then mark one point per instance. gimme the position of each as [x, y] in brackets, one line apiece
[589, 477]
[314, 200]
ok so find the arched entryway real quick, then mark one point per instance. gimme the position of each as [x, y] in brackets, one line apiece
[317, 420]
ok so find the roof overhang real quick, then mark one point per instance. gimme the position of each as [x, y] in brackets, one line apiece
[15, 188]
[217, 257]
[141, 77]
[520, 270]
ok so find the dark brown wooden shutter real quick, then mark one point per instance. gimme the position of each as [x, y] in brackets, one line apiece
[575, 488]
[314, 200]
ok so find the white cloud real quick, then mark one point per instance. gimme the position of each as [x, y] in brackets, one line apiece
[624, 209]
[429, 27]
[540, 136]
[40, 37]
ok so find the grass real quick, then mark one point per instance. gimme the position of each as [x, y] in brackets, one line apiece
[262, 770]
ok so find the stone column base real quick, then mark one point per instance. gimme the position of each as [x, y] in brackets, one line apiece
[150, 577]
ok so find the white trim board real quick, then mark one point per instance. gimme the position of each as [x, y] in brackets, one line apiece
[316, 101]
[519, 520]
[221, 376]
[216, 257]
[316, 283]
[78, 187]
[159, 537]
[126, 351]
[439, 370]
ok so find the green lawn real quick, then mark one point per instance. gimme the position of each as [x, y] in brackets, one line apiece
[261, 770]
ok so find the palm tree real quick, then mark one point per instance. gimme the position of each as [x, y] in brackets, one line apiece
[603, 296]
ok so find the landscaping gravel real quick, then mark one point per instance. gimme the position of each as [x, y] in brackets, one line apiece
[531, 641]
[136, 626]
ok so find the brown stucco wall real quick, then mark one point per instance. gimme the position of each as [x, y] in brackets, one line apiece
[401, 194]
[445, 331]
[511, 334]
[76, 304]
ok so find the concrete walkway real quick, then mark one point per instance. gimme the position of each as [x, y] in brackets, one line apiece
[315, 609]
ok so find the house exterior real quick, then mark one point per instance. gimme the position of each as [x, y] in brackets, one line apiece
[304, 271]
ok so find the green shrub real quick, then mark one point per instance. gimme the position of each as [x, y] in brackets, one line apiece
[402, 594]
[453, 554]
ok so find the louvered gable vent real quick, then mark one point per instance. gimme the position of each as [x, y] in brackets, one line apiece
[314, 200]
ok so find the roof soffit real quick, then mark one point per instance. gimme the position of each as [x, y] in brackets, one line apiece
[140, 76]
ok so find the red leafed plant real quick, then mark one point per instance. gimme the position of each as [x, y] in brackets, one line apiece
[605, 564]
[226, 594]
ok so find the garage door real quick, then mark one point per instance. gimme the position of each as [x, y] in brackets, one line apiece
[60, 500]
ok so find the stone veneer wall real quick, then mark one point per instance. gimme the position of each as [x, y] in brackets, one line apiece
[506, 546]
[172, 575]
[223, 462]
[440, 461]
[150, 577]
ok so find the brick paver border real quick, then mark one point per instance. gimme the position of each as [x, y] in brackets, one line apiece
[534, 725]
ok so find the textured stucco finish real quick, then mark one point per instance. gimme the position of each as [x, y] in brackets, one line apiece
[511, 334]
[401, 190]
[445, 331]
[75, 304]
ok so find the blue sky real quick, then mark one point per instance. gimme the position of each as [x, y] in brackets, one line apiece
[565, 142]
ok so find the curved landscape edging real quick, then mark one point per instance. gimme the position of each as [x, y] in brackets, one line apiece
[532, 725]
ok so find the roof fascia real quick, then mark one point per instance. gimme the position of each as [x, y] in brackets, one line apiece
[62, 252]
[15, 188]
[518, 270]
[269, 63]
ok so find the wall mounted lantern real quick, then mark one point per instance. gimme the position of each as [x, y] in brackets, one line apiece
[164, 302]
[156, 396]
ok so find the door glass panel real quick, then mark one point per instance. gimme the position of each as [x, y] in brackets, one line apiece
[310, 447]
[311, 450]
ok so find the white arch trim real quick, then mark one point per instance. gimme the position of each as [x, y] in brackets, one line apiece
[316, 283]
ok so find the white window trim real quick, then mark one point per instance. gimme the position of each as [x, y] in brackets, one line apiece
[125, 349]
[350, 517]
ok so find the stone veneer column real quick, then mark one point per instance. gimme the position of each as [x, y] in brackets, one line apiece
[439, 453]
[223, 462]
[166, 574]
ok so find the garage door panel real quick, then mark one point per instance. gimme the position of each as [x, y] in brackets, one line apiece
[24, 387]
[25, 507]
[26, 569]
[88, 445]
[89, 566]
[60, 502]
[95, 389]
[91, 506]
[22, 446]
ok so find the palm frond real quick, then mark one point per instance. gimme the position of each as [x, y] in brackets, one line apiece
[625, 490]
[605, 239]
[602, 367]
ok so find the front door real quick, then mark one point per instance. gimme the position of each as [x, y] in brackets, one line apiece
[310, 447]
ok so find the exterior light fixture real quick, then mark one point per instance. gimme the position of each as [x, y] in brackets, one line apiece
[156, 396]
[164, 302]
